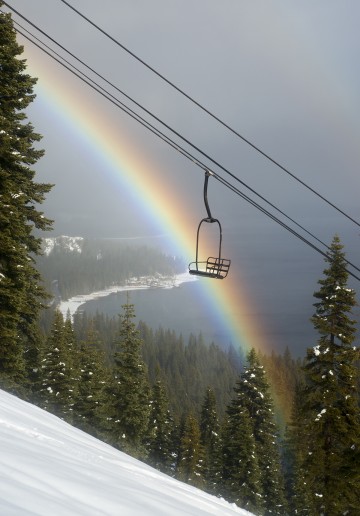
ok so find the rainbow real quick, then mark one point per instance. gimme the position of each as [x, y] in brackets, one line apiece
[122, 164]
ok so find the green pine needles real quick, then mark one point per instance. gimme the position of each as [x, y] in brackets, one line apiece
[21, 293]
[252, 469]
[327, 412]
[130, 390]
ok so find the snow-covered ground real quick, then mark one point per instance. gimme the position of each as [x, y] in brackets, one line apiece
[74, 303]
[48, 467]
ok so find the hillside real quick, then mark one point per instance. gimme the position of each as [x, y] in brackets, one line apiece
[74, 265]
[49, 467]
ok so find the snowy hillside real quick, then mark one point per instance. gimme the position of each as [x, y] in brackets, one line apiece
[49, 467]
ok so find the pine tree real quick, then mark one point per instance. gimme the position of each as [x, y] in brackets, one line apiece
[72, 352]
[129, 408]
[295, 450]
[57, 373]
[190, 457]
[33, 368]
[330, 409]
[211, 442]
[252, 393]
[255, 394]
[21, 294]
[161, 427]
[241, 478]
[92, 377]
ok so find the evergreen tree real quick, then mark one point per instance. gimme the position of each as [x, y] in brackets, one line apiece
[57, 374]
[252, 393]
[72, 352]
[295, 452]
[330, 409]
[241, 478]
[211, 442]
[93, 375]
[130, 400]
[21, 294]
[33, 368]
[190, 458]
[255, 395]
[161, 427]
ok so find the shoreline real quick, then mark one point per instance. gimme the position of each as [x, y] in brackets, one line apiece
[159, 281]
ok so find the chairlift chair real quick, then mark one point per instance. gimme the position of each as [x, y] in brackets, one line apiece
[213, 267]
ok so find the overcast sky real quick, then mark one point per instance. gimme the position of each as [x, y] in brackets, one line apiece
[283, 74]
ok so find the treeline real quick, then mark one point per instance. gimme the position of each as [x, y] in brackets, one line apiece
[193, 411]
[206, 415]
[189, 367]
[101, 264]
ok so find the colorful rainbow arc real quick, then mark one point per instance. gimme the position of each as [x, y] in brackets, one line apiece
[227, 302]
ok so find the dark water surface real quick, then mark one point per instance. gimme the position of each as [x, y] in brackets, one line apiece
[185, 310]
[278, 274]
[181, 309]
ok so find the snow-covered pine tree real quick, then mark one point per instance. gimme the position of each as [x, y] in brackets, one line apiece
[253, 393]
[160, 433]
[71, 346]
[257, 398]
[129, 397]
[211, 442]
[330, 401]
[92, 377]
[33, 362]
[21, 294]
[57, 372]
[241, 478]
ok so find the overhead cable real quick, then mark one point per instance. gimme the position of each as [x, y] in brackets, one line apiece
[153, 116]
[208, 112]
[99, 89]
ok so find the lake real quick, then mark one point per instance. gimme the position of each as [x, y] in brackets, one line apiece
[279, 282]
[180, 309]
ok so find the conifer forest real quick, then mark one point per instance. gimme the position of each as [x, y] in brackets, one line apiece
[273, 434]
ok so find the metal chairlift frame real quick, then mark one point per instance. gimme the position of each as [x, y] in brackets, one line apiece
[213, 267]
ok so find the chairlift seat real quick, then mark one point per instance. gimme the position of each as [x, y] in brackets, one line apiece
[216, 268]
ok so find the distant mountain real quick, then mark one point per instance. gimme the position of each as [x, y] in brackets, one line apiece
[76, 265]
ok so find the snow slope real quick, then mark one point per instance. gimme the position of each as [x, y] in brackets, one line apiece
[48, 467]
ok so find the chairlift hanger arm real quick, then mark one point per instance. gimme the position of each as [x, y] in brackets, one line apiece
[210, 217]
